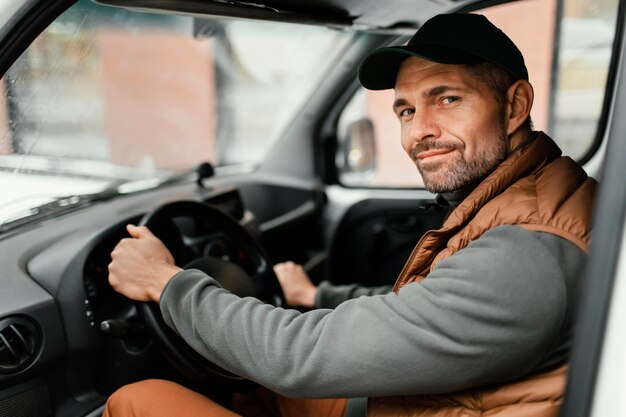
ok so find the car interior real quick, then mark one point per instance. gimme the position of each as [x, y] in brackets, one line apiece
[237, 132]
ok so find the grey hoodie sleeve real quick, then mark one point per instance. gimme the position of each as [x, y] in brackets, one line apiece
[492, 312]
[330, 296]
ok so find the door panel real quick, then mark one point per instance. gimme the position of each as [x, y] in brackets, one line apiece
[372, 232]
[287, 215]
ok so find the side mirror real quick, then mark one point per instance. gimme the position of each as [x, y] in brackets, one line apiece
[357, 152]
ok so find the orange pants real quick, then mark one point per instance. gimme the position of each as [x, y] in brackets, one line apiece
[159, 398]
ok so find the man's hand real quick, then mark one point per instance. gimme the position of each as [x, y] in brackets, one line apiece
[298, 288]
[141, 266]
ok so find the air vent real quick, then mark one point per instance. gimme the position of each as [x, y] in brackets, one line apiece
[19, 344]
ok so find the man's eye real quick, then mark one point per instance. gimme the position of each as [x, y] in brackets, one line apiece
[406, 112]
[449, 100]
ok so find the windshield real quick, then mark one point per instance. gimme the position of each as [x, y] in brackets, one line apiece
[105, 95]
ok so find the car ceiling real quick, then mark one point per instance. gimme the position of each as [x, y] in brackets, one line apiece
[386, 15]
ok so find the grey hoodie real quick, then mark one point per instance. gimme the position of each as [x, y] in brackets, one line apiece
[495, 311]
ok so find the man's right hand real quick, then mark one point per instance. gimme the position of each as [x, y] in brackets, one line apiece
[297, 286]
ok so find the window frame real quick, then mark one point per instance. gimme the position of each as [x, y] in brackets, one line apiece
[599, 278]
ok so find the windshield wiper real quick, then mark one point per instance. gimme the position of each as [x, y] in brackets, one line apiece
[55, 207]
[66, 204]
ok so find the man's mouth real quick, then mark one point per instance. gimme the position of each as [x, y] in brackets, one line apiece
[432, 153]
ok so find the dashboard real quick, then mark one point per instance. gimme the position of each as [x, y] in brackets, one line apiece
[87, 340]
[103, 324]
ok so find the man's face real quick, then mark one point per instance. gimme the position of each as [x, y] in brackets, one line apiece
[452, 126]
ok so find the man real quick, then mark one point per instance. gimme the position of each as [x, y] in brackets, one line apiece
[479, 320]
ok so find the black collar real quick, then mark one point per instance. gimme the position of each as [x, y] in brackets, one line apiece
[454, 198]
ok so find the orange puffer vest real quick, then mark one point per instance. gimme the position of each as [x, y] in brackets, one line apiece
[534, 188]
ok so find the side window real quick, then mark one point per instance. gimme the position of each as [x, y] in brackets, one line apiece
[567, 46]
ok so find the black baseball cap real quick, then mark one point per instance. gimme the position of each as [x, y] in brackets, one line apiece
[454, 38]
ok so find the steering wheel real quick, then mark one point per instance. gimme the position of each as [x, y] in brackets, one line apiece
[254, 277]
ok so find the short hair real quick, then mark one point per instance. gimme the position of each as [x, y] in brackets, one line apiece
[497, 80]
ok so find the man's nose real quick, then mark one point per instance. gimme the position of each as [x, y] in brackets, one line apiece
[423, 126]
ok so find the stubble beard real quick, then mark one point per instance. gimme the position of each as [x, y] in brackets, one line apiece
[455, 171]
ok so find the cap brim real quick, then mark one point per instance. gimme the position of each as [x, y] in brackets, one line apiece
[380, 69]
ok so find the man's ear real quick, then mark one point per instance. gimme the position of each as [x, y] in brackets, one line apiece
[520, 97]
